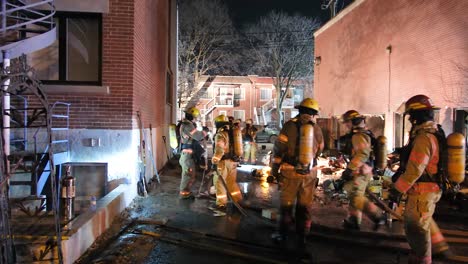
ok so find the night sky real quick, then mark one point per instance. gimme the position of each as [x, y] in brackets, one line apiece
[245, 11]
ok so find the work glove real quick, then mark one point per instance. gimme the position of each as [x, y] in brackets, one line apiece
[347, 175]
[394, 195]
[275, 171]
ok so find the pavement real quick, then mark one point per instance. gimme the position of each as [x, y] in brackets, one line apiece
[191, 234]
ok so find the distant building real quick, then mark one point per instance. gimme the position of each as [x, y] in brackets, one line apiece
[376, 54]
[244, 97]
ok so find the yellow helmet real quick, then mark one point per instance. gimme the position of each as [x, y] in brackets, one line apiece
[193, 111]
[309, 103]
[221, 118]
[248, 121]
[350, 115]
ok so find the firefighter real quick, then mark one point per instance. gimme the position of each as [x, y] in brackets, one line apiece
[358, 172]
[225, 162]
[250, 147]
[297, 181]
[419, 182]
[188, 135]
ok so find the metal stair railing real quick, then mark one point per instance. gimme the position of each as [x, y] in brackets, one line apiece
[33, 16]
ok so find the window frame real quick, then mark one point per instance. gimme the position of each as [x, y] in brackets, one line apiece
[241, 94]
[241, 111]
[62, 49]
[270, 91]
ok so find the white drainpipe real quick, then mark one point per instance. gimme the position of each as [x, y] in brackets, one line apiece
[6, 105]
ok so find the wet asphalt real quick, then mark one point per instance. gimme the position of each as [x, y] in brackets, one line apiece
[193, 235]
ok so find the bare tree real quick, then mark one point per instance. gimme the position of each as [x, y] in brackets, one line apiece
[283, 45]
[205, 33]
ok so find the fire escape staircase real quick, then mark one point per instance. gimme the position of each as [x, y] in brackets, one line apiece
[26, 26]
[265, 109]
[30, 157]
[35, 132]
[198, 94]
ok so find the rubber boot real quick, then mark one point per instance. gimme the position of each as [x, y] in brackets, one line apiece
[379, 221]
[351, 223]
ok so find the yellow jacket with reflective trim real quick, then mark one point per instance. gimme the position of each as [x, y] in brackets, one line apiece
[424, 156]
[221, 145]
[362, 148]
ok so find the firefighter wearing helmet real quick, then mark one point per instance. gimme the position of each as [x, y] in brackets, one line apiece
[358, 172]
[299, 142]
[249, 133]
[419, 181]
[189, 134]
[225, 159]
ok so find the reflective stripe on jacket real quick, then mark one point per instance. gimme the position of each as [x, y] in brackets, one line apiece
[423, 158]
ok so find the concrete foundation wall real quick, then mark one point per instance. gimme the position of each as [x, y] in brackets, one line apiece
[119, 149]
[379, 53]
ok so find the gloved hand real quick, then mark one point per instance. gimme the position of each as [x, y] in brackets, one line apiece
[214, 167]
[347, 175]
[394, 195]
[275, 171]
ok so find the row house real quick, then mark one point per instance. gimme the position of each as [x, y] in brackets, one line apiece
[374, 55]
[245, 97]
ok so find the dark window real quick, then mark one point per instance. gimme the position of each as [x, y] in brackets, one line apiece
[75, 57]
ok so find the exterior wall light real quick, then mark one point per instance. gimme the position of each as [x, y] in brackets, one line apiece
[317, 60]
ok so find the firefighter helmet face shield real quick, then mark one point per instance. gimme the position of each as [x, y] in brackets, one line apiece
[351, 115]
[419, 102]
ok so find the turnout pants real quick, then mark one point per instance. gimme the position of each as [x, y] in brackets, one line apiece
[422, 232]
[228, 170]
[297, 191]
[188, 173]
[358, 202]
[250, 151]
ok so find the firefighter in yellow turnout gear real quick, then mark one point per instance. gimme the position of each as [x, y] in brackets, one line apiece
[225, 162]
[359, 172]
[249, 133]
[188, 134]
[419, 182]
[297, 180]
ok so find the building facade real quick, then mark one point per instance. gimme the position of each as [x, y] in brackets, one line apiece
[245, 97]
[376, 54]
[111, 60]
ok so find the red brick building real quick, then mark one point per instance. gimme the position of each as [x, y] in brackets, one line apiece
[245, 97]
[376, 54]
[111, 59]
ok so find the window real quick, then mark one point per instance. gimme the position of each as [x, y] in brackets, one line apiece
[239, 93]
[208, 94]
[239, 114]
[75, 57]
[265, 94]
[223, 113]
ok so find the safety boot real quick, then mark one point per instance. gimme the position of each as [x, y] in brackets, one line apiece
[351, 223]
[443, 255]
[279, 239]
[379, 221]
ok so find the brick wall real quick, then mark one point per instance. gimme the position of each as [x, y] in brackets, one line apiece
[150, 59]
[428, 40]
[112, 111]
